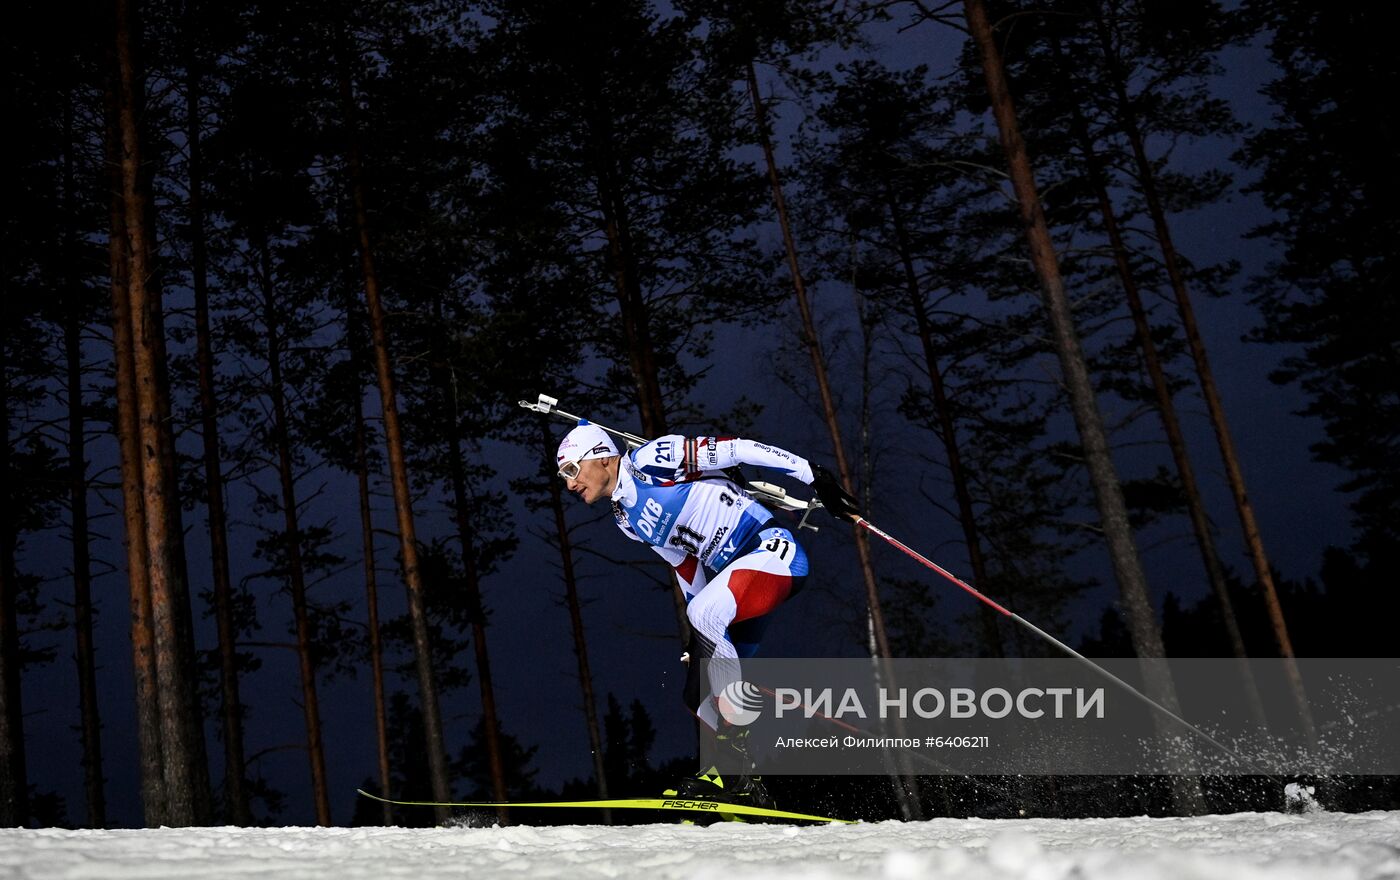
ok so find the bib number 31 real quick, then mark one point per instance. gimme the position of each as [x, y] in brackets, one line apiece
[779, 545]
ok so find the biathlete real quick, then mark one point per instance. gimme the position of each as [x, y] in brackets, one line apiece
[733, 561]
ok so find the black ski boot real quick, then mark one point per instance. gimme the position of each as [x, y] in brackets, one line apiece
[747, 787]
[709, 785]
[732, 788]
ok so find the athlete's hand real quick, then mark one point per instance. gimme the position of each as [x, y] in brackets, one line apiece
[837, 501]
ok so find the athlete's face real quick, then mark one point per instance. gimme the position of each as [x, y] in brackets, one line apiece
[596, 478]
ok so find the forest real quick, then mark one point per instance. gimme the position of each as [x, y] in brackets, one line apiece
[1096, 301]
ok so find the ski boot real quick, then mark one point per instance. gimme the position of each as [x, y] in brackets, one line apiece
[747, 787]
[710, 785]
[734, 788]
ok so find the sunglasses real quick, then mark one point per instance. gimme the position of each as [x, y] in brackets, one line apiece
[569, 469]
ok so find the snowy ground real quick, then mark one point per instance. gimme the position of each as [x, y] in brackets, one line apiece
[1266, 846]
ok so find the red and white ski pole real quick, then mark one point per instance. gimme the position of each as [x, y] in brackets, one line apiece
[985, 600]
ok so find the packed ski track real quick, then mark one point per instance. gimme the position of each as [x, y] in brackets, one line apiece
[1245, 846]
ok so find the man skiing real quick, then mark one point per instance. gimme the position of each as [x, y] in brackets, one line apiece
[734, 562]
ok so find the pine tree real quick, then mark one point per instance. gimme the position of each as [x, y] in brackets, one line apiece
[202, 36]
[340, 431]
[53, 224]
[261, 188]
[1106, 21]
[1088, 419]
[1080, 122]
[182, 743]
[78, 308]
[606, 103]
[474, 765]
[1326, 169]
[32, 477]
[893, 185]
[388, 393]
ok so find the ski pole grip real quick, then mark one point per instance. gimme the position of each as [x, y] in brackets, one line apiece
[545, 404]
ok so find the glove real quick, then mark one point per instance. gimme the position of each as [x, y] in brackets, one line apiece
[837, 501]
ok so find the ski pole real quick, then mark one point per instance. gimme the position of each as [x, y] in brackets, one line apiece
[550, 407]
[984, 599]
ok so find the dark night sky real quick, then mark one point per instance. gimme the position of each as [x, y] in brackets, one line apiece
[631, 624]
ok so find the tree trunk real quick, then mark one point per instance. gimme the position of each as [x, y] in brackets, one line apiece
[1233, 473]
[376, 651]
[812, 341]
[93, 793]
[1166, 408]
[14, 781]
[236, 807]
[127, 429]
[461, 515]
[908, 789]
[632, 309]
[585, 676]
[641, 356]
[310, 704]
[947, 431]
[192, 714]
[186, 779]
[636, 331]
[398, 468]
[1113, 511]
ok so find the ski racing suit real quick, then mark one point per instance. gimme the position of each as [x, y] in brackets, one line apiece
[735, 564]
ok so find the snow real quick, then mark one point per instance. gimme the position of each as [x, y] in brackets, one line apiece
[1245, 846]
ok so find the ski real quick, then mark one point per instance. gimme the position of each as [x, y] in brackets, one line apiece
[688, 805]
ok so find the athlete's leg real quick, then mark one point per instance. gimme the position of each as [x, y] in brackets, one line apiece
[747, 634]
[709, 614]
[746, 590]
[690, 574]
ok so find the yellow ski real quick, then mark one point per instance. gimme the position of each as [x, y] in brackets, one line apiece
[689, 805]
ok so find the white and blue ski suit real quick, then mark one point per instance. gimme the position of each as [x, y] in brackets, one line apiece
[734, 562]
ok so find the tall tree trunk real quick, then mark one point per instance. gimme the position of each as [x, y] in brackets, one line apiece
[908, 790]
[1166, 408]
[192, 714]
[362, 480]
[1254, 542]
[78, 508]
[585, 675]
[186, 777]
[640, 353]
[14, 780]
[636, 326]
[812, 342]
[1108, 491]
[908, 804]
[310, 703]
[627, 287]
[476, 610]
[182, 613]
[632, 309]
[636, 331]
[236, 807]
[127, 428]
[376, 650]
[398, 467]
[947, 430]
